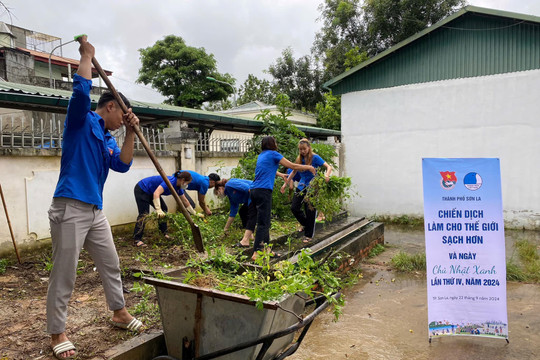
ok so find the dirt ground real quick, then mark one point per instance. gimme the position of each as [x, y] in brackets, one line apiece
[23, 292]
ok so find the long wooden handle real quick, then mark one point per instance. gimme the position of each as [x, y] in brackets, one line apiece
[9, 225]
[143, 141]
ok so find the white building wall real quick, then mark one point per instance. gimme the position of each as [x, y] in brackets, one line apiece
[28, 184]
[387, 132]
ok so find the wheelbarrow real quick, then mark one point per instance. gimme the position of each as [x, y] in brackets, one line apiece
[202, 323]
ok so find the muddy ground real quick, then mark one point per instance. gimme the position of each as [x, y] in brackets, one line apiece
[385, 316]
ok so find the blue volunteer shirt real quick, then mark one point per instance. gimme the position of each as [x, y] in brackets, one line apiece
[265, 171]
[237, 190]
[88, 150]
[198, 182]
[150, 184]
[306, 176]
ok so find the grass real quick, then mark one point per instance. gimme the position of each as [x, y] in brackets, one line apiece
[528, 269]
[408, 263]
[377, 249]
[412, 222]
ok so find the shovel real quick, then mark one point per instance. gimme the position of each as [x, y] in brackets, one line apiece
[197, 238]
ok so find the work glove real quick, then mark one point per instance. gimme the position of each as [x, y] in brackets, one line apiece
[190, 210]
[157, 206]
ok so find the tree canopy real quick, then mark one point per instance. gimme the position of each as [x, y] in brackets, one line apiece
[179, 72]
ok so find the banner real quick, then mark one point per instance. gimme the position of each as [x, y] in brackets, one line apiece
[465, 248]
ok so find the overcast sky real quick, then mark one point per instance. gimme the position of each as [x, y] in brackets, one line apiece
[245, 36]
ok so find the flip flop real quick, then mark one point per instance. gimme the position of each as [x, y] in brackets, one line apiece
[62, 348]
[133, 325]
[139, 243]
[240, 245]
[306, 240]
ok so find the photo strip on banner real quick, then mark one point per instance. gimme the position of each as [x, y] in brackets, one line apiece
[465, 248]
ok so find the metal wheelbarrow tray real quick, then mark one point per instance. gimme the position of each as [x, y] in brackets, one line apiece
[204, 323]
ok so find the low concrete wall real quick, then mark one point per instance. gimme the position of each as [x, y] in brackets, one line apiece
[28, 178]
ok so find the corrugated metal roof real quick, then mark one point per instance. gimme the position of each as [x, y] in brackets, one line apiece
[472, 42]
[35, 98]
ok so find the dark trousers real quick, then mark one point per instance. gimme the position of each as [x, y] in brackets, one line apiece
[262, 200]
[305, 217]
[248, 215]
[144, 201]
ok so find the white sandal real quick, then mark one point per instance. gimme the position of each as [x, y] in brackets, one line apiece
[62, 348]
[133, 325]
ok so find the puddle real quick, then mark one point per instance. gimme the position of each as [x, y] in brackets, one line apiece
[385, 316]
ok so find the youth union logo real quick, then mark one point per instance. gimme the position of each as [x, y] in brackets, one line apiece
[448, 180]
[472, 181]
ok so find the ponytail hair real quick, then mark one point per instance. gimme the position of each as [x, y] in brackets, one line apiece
[309, 157]
[219, 184]
[183, 175]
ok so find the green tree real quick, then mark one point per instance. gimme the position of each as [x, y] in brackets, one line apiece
[352, 30]
[179, 72]
[255, 89]
[389, 21]
[329, 112]
[342, 31]
[299, 78]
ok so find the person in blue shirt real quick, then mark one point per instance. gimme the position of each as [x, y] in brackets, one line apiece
[261, 189]
[306, 217]
[148, 193]
[201, 184]
[76, 214]
[237, 190]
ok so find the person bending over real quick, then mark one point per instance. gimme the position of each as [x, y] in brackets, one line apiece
[148, 193]
[201, 184]
[237, 190]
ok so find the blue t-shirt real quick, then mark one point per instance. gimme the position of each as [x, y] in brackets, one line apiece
[198, 182]
[265, 171]
[88, 150]
[151, 183]
[237, 190]
[307, 176]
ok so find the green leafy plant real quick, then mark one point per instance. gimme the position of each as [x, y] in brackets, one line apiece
[268, 280]
[327, 197]
[3, 266]
[377, 249]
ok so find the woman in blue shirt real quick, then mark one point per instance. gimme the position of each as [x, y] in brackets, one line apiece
[307, 217]
[201, 184]
[237, 190]
[261, 189]
[148, 193]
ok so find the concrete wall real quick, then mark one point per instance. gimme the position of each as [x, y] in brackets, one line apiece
[387, 132]
[28, 179]
[19, 67]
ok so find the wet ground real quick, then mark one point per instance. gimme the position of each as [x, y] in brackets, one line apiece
[386, 315]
